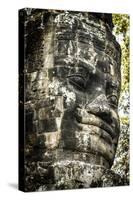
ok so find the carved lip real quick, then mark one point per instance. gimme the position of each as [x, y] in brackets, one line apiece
[93, 120]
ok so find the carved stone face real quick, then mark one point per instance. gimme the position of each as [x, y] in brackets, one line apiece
[81, 86]
[87, 82]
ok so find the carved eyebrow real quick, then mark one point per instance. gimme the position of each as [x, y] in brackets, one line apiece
[90, 69]
[83, 63]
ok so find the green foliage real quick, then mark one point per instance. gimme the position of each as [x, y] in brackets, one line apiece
[124, 120]
[125, 63]
[121, 22]
[121, 31]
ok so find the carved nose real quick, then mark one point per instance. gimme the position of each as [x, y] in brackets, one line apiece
[101, 108]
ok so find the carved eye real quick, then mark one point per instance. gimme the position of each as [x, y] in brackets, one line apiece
[113, 100]
[77, 80]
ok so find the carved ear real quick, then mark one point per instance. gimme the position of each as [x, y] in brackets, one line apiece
[113, 100]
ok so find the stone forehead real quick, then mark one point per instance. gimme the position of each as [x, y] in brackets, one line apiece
[91, 33]
[91, 29]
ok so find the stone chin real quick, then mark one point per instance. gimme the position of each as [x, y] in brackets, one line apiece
[98, 152]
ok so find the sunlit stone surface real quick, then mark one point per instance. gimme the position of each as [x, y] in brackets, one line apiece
[72, 86]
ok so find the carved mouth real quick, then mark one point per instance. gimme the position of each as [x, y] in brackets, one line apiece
[93, 120]
[88, 138]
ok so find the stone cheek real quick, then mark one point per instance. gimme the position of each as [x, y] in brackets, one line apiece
[49, 140]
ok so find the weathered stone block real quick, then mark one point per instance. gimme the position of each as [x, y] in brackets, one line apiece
[47, 125]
